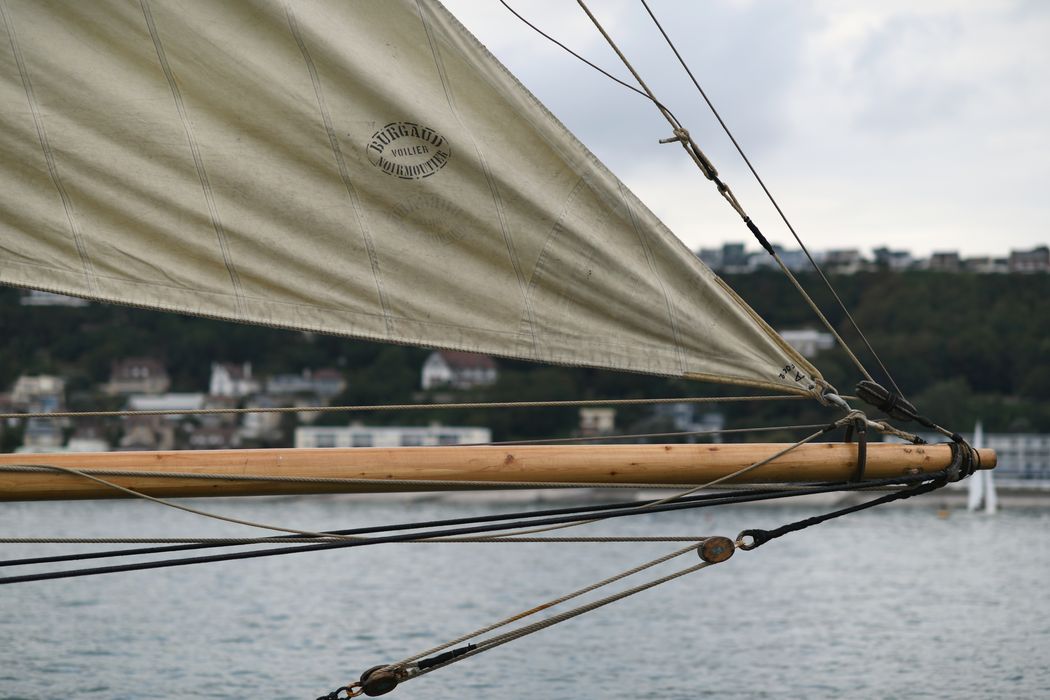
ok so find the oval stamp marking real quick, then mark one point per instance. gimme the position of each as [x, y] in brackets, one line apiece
[408, 151]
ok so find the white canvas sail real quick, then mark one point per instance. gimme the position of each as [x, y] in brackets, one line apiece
[360, 168]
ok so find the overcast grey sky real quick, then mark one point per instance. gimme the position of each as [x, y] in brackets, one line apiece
[918, 124]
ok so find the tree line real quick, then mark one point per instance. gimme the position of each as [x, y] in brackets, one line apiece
[961, 347]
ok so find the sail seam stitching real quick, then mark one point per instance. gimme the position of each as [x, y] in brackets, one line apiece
[552, 235]
[494, 190]
[340, 161]
[663, 288]
[198, 160]
[45, 146]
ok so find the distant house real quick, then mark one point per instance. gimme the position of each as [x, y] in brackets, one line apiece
[358, 435]
[458, 370]
[1029, 261]
[894, 260]
[324, 383]
[945, 262]
[986, 265]
[41, 435]
[808, 342]
[42, 393]
[844, 262]
[166, 403]
[138, 375]
[597, 421]
[228, 379]
[734, 257]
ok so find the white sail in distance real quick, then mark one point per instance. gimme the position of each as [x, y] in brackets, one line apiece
[359, 168]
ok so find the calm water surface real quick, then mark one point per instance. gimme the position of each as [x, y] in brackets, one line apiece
[897, 603]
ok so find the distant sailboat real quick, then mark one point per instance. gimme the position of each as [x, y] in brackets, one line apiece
[982, 487]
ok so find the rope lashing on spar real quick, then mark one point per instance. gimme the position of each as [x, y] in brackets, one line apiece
[860, 427]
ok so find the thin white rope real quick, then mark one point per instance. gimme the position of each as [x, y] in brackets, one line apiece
[573, 403]
[499, 640]
[326, 538]
[544, 606]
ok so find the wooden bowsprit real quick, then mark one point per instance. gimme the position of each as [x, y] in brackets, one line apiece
[262, 472]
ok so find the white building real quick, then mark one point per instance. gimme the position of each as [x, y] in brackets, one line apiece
[41, 435]
[228, 379]
[138, 375]
[459, 370]
[807, 341]
[325, 383]
[39, 393]
[597, 421]
[390, 436]
[166, 402]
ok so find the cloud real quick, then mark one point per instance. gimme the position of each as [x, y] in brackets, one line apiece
[914, 124]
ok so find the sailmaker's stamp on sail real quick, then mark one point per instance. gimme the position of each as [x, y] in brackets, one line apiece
[408, 151]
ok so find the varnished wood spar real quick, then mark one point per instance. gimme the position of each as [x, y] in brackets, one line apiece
[654, 464]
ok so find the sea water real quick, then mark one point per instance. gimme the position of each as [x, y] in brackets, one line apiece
[903, 602]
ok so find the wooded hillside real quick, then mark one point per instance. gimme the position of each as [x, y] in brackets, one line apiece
[961, 347]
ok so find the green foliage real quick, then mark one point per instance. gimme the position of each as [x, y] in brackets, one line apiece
[961, 346]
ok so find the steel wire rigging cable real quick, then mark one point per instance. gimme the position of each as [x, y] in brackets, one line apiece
[390, 675]
[573, 517]
[771, 198]
[711, 173]
[557, 523]
[737, 496]
[617, 511]
[569, 403]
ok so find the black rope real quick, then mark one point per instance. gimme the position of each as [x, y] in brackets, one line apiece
[760, 537]
[376, 529]
[622, 510]
[387, 528]
[862, 449]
